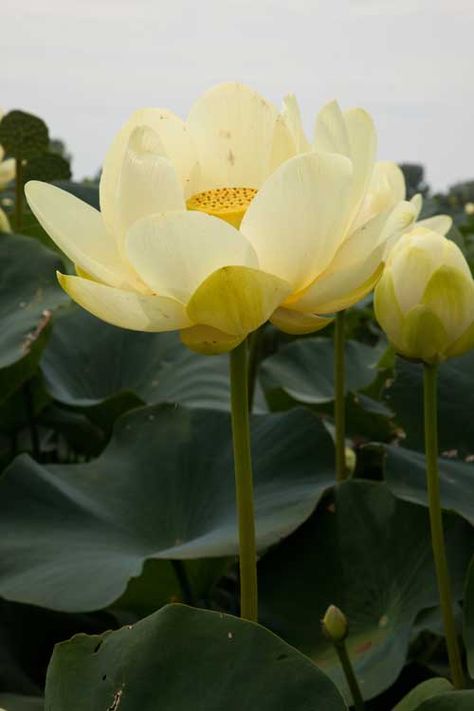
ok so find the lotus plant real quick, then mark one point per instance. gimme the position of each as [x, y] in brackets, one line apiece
[425, 304]
[214, 225]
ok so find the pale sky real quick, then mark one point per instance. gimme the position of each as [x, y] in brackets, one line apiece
[85, 66]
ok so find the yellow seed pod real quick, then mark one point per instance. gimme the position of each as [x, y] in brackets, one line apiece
[425, 299]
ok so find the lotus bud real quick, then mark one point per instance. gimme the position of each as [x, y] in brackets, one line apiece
[334, 624]
[4, 227]
[425, 299]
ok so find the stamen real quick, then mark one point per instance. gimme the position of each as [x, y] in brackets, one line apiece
[230, 204]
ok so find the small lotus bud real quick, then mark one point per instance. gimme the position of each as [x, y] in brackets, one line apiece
[425, 298]
[4, 227]
[351, 460]
[334, 624]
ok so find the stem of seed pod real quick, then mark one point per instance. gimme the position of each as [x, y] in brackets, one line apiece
[255, 350]
[430, 373]
[339, 392]
[351, 678]
[18, 194]
[244, 482]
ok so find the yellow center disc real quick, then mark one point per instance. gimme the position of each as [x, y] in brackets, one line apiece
[230, 204]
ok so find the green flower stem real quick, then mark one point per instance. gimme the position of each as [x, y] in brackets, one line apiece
[179, 568]
[339, 392]
[244, 481]
[430, 373]
[255, 351]
[18, 195]
[351, 678]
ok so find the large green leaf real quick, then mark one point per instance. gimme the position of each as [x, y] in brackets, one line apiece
[426, 690]
[163, 488]
[303, 371]
[451, 701]
[455, 402]
[12, 702]
[180, 659]
[405, 474]
[28, 293]
[369, 553]
[469, 619]
[27, 637]
[89, 364]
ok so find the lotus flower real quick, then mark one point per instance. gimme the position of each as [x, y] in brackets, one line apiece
[219, 223]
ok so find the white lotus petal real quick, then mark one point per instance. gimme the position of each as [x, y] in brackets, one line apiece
[297, 220]
[386, 189]
[412, 262]
[289, 139]
[330, 132]
[237, 300]
[298, 323]
[78, 230]
[438, 223]
[351, 134]
[126, 309]
[283, 147]
[292, 117]
[148, 183]
[233, 128]
[417, 202]
[172, 141]
[363, 147]
[400, 219]
[208, 340]
[174, 253]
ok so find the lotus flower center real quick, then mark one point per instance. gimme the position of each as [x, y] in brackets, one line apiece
[230, 204]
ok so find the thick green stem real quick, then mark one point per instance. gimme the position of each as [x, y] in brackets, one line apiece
[339, 401]
[255, 351]
[351, 678]
[436, 522]
[179, 568]
[18, 195]
[244, 481]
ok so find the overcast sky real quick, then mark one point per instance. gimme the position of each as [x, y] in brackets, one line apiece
[85, 66]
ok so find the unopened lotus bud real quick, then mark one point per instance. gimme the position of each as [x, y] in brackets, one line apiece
[351, 460]
[425, 299]
[4, 227]
[334, 624]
